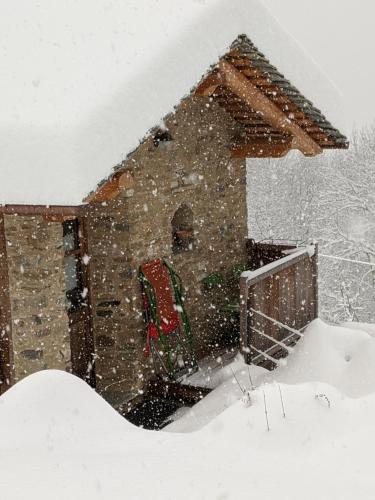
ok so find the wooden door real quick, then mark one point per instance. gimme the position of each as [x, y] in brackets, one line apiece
[81, 345]
[78, 299]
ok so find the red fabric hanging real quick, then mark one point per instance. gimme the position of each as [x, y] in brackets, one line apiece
[157, 274]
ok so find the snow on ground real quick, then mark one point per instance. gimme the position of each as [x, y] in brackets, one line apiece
[366, 327]
[59, 439]
[82, 82]
[343, 357]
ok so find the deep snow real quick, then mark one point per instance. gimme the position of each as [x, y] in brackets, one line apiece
[59, 439]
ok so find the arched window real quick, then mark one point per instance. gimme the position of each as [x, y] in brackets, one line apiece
[182, 229]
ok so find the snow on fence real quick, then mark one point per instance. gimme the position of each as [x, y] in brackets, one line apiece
[278, 300]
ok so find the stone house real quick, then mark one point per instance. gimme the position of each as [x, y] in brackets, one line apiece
[70, 296]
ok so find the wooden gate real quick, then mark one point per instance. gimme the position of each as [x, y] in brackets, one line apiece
[278, 301]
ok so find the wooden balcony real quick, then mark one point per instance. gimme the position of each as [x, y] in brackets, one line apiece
[278, 299]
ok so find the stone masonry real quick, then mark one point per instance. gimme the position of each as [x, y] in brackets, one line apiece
[40, 333]
[194, 168]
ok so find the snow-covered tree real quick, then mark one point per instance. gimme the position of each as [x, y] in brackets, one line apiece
[330, 198]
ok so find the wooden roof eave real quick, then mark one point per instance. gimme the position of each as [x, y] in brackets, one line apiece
[51, 213]
[228, 75]
[63, 210]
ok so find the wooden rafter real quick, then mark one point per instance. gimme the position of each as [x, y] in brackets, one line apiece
[46, 210]
[261, 150]
[209, 84]
[254, 98]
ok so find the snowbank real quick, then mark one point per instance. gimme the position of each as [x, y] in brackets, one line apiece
[82, 82]
[343, 357]
[52, 403]
[59, 439]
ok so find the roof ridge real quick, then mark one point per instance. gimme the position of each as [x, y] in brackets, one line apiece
[249, 50]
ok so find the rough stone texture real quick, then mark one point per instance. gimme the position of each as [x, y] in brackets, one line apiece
[196, 169]
[6, 350]
[37, 291]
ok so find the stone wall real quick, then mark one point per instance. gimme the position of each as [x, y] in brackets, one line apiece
[40, 333]
[194, 168]
[112, 268]
[6, 350]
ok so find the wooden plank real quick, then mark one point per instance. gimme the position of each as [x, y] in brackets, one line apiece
[301, 275]
[209, 84]
[240, 85]
[257, 301]
[272, 137]
[292, 293]
[309, 293]
[285, 292]
[260, 150]
[274, 309]
[281, 264]
[253, 73]
[284, 297]
[314, 279]
[283, 307]
[244, 329]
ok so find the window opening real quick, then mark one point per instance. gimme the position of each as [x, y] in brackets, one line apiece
[182, 230]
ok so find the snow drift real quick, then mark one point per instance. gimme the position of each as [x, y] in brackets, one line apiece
[59, 439]
[343, 357]
[54, 404]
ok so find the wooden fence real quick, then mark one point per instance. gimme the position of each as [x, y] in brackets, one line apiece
[278, 300]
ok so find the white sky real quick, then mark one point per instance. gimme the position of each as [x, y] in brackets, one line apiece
[340, 36]
[83, 81]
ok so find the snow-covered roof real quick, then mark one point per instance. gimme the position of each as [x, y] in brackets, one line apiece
[82, 82]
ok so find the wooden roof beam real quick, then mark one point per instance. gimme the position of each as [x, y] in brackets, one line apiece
[260, 150]
[51, 210]
[209, 84]
[255, 99]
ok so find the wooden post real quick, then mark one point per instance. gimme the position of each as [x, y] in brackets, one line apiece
[315, 281]
[271, 304]
[244, 330]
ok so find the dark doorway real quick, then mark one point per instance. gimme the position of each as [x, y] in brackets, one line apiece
[78, 300]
